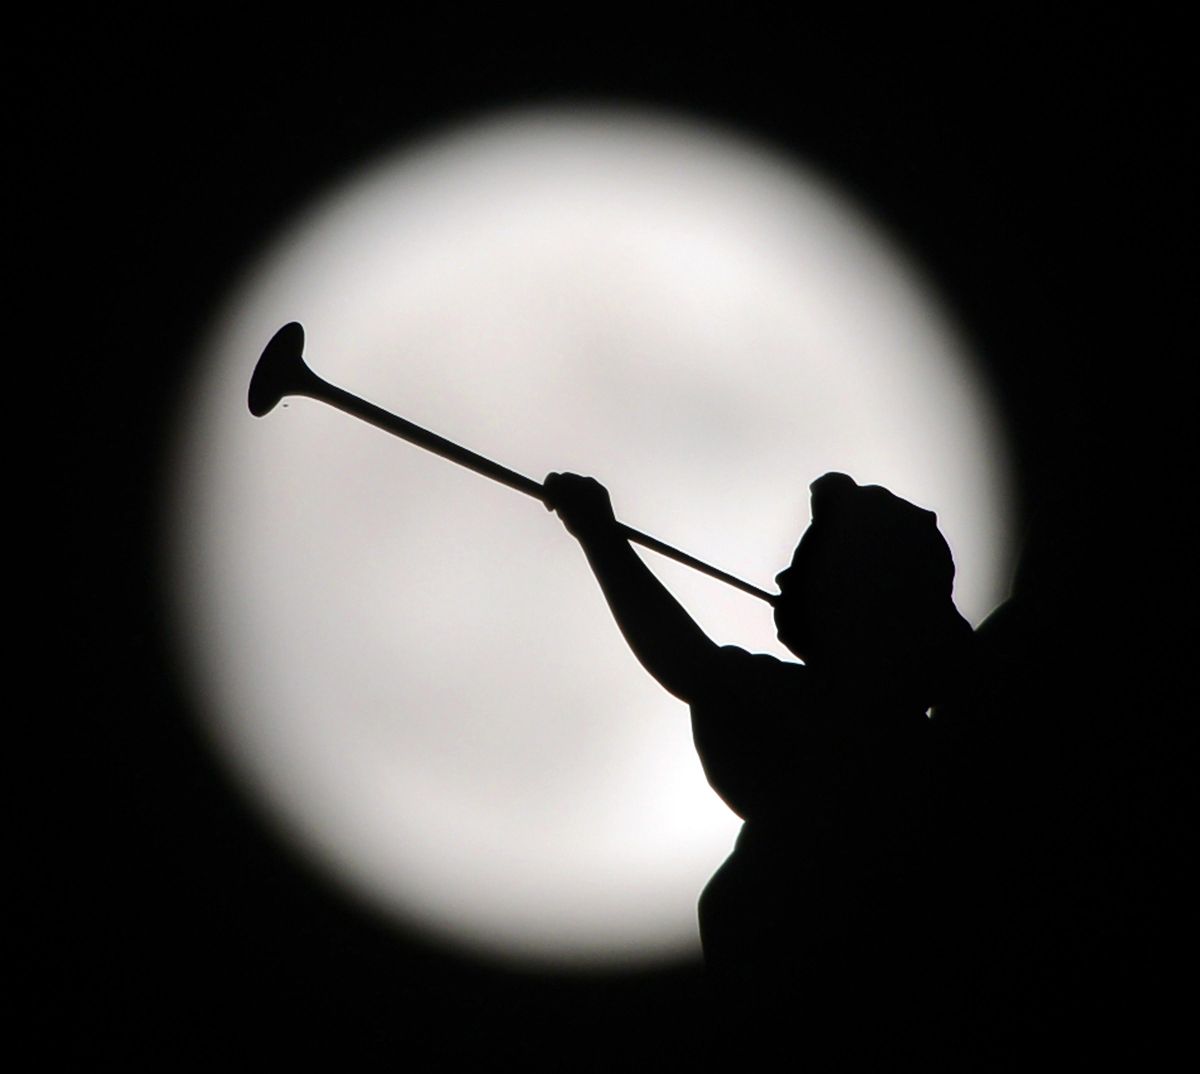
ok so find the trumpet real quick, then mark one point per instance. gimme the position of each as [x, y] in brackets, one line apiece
[281, 371]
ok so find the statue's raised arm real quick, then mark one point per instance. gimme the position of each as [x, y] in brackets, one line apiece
[666, 640]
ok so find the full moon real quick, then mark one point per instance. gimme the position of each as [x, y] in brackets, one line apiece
[411, 668]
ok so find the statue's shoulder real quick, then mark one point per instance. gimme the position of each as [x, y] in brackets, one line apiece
[740, 668]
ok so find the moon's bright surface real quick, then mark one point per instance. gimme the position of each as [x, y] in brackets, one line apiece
[411, 667]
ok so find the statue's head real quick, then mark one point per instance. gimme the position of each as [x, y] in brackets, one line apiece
[869, 589]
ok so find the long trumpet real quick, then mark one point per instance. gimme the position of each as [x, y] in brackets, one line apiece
[281, 371]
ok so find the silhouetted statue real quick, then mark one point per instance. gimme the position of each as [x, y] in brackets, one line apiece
[822, 928]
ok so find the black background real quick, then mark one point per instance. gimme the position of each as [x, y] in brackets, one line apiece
[1035, 168]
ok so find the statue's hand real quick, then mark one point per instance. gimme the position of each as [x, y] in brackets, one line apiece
[582, 503]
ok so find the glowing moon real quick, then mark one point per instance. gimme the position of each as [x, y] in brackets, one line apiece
[411, 666]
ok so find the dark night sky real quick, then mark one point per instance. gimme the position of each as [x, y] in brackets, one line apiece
[1037, 171]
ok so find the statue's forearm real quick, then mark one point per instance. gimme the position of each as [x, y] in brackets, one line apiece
[666, 640]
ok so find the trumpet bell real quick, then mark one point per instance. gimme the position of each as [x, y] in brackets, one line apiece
[280, 370]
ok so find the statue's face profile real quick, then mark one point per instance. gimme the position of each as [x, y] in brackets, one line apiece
[797, 608]
[846, 600]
